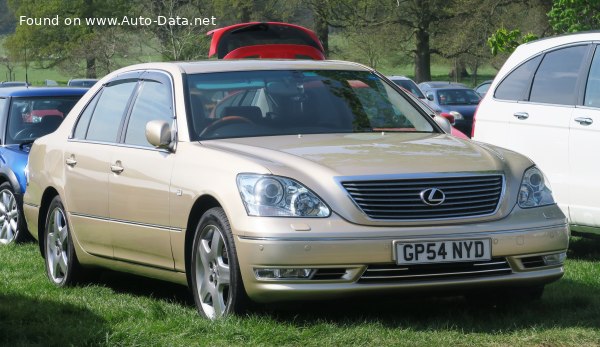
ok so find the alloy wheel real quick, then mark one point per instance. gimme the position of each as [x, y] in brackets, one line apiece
[57, 246]
[212, 272]
[9, 217]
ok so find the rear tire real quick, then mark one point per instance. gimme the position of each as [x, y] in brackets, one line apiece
[12, 221]
[217, 284]
[62, 266]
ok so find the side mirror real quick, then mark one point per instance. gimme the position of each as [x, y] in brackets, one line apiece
[443, 123]
[429, 96]
[158, 133]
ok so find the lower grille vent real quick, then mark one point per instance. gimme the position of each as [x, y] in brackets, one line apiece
[329, 274]
[532, 262]
[390, 273]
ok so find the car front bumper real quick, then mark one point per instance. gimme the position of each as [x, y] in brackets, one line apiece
[344, 262]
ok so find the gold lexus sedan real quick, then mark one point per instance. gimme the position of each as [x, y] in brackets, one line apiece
[284, 180]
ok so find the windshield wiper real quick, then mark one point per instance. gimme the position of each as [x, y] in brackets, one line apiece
[25, 143]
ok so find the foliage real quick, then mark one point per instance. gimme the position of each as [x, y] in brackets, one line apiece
[567, 16]
[507, 41]
[61, 45]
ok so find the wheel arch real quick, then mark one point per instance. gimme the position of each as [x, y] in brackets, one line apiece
[7, 175]
[201, 205]
[47, 197]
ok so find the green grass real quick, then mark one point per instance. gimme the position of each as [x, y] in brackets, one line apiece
[123, 310]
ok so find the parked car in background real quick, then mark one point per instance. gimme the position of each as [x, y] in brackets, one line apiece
[82, 82]
[411, 86]
[25, 114]
[453, 97]
[545, 103]
[270, 40]
[483, 87]
[339, 185]
[10, 84]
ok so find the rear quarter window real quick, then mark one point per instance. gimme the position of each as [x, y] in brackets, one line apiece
[515, 84]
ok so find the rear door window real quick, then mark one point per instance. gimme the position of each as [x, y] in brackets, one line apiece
[555, 81]
[592, 88]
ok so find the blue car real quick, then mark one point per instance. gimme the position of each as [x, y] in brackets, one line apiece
[454, 97]
[25, 115]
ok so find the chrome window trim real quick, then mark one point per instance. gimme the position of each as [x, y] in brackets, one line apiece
[339, 179]
[173, 104]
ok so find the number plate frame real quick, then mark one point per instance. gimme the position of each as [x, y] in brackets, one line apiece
[480, 249]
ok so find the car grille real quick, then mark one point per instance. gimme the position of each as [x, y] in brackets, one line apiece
[400, 199]
[532, 262]
[392, 273]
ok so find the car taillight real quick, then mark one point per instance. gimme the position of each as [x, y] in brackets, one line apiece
[474, 116]
[449, 117]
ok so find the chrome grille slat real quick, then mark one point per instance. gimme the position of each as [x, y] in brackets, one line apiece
[399, 199]
[388, 273]
[421, 204]
[432, 209]
[412, 181]
[412, 190]
[447, 198]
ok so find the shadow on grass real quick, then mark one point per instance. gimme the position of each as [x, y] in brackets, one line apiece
[584, 248]
[568, 303]
[143, 286]
[565, 304]
[29, 322]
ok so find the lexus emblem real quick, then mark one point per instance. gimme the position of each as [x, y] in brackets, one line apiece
[432, 196]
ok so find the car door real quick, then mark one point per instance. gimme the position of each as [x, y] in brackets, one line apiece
[140, 178]
[539, 126]
[87, 159]
[584, 142]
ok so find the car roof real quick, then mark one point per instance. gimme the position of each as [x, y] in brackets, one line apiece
[442, 84]
[42, 91]
[210, 66]
[399, 77]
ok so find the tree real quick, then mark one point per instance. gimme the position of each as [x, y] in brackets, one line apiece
[567, 16]
[55, 45]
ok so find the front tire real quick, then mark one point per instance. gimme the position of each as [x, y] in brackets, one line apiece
[62, 266]
[216, 280]
[12, 222]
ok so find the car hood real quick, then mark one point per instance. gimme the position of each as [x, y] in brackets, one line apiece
[322, 161]
[364, 153]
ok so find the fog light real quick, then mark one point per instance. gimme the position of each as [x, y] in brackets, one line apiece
[555, 259]
[283, 273]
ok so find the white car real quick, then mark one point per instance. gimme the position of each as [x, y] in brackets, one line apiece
[545, 103]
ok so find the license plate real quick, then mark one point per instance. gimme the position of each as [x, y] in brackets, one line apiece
[425, 252]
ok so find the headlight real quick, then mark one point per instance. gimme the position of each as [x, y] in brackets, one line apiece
[274, 196]
[534, 189]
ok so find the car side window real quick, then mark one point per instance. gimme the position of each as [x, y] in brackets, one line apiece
[84, 120]
[106, 120]
[514, 85]
[555, 81]
[592, 87]
[154, 102]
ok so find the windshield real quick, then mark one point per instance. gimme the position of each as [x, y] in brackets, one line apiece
[411, 87]
[30, 118]
[458, 97]
[266, 103]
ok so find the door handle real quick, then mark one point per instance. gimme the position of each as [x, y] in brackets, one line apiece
[521, 115]
[116, 167]
[584, 120]
[71, 161]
